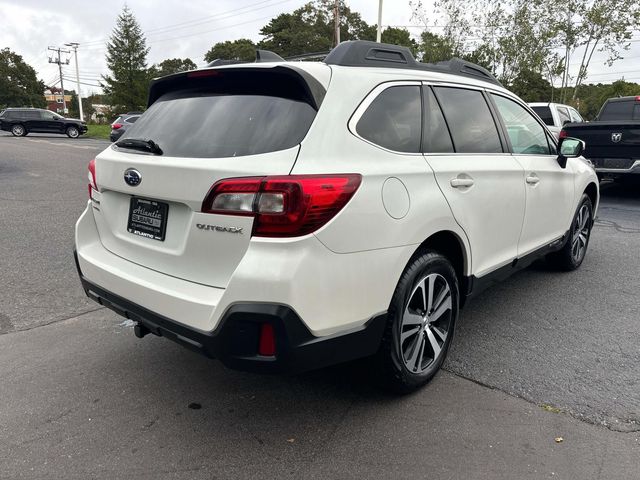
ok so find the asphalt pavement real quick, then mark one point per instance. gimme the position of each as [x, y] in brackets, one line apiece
[542, 356]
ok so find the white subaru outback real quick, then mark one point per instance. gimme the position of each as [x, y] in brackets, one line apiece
[284, 216]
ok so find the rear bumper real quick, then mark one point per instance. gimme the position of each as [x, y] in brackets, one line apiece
[616, 166]
[235, 340]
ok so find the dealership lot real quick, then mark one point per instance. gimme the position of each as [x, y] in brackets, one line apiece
[82, 398]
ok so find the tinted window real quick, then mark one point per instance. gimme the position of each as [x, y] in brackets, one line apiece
[575, 116]
[563, 114]
[436, 138]
[636, 111]
[393, 120]
[132, 119]
[48, 115]
[545, 114]
[527, 136]
[617, 111]
[191, 124]
[30, 114]
[470, 120]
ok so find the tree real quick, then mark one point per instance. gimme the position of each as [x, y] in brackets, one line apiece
[19, 86]
[598, 25]
[127, 59]
[434, 48]
[530, 86]
[310, 29]
[171, 65]
[242, 49]
[400, 36]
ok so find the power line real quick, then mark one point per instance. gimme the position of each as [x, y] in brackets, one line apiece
[193, 23]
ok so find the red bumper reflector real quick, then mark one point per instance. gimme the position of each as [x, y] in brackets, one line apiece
[267, 345]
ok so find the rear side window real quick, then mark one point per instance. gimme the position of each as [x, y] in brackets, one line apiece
[132, 119]
[563, 113]
[527, 136]
[545, 114]
[210, 125]
[575, 116]
[394, 119]
[470, 121]
[614, 111]
[436, 138]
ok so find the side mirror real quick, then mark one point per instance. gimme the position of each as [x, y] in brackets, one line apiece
[569, 148]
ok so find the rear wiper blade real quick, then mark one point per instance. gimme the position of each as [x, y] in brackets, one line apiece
[140, 144]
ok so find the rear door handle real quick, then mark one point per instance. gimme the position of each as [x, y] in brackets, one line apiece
[532, 179]
[461, 182]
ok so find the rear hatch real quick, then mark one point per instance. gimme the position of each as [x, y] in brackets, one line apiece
[611, 144]
[204, 126]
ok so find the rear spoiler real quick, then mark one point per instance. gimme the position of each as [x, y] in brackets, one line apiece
[280, 80]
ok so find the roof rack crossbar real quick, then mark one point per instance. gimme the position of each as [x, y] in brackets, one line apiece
[362, 53]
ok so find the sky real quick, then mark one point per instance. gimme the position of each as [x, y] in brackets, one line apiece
[179, 29]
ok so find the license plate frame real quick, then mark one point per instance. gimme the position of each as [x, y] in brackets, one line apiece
[148, 218]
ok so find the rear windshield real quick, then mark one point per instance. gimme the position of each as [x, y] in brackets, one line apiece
[545, 114]
[614, 111]
[209, 125]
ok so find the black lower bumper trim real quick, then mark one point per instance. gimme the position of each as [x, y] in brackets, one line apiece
[235, 340]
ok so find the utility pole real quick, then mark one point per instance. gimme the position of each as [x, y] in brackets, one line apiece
[379, 34]
[336, 17]
[75, 45]
[59, 62]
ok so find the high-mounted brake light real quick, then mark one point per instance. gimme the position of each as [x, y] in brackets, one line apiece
[563, 134]
[92, 178]
[116, 126]
[283, 206]
[204, 73]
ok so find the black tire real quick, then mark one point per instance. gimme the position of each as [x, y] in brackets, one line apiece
[73, 132]
[392, 360]
[18, 130]
[572, 254]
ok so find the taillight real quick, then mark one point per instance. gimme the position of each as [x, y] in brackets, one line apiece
[283, 206]
[116, 126]
[92, 178]
[563, 134]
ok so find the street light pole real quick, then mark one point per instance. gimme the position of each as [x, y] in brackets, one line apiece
[75, 45]
[379, 34]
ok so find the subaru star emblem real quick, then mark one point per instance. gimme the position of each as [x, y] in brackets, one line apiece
[132, 177]
[616, 137]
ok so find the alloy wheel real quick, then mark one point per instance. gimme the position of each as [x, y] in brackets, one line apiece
[426, 323]
[581, 230]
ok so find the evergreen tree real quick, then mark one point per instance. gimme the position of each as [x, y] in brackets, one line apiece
[19, 86]
[127, 59]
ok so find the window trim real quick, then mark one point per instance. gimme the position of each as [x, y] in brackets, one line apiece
[504, 127]
[370, 98]
[492, 111]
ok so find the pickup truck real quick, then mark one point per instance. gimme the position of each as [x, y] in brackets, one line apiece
[556, 115]
[612, 139]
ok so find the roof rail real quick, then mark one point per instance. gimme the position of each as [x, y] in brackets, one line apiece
[362, 53]
[261, 56]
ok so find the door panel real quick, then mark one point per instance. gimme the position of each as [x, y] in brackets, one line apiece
[549, 203]
[486, 195]
[549, 188]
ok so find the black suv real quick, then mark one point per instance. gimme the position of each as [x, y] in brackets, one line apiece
[21, 121]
